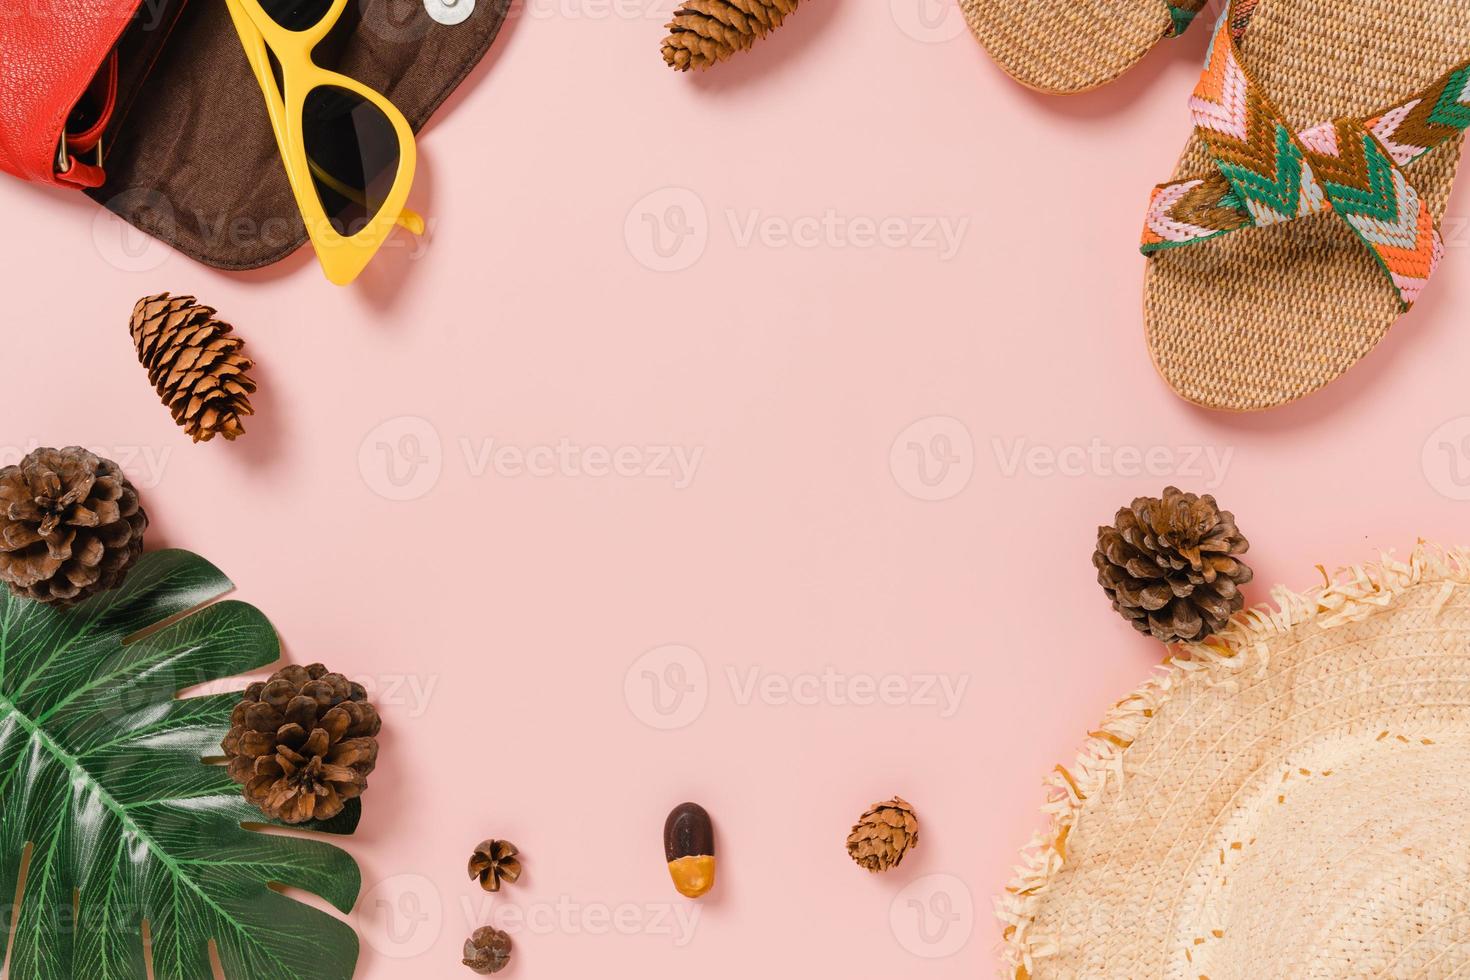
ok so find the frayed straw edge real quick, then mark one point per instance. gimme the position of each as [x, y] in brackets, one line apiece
[1358, 592]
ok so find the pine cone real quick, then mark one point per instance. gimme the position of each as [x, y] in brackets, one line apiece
[487, 950]
[302, 743]
[704, 32]
[1169, 566]
[70, 525]
[495, 861]
[883, 835]
[194, 364]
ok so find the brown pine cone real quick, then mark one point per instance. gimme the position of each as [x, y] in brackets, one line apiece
[70, 525]
[883, 835]
[487, 950]
[495, 861]
[194, 364]
[1170, 565]
[704, 32]
[303, 743]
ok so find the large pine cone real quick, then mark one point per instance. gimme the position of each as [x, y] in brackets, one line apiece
[704, 32]
[70, 525]
[1169, 566]
[303, 743]
[883, 835]
[195, 365]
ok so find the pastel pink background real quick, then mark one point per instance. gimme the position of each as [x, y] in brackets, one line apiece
[519, 605]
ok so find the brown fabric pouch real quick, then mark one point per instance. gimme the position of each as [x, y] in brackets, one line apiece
[191, 158]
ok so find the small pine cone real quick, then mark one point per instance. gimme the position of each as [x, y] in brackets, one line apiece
[495, 861]
[704, 32]
[1169, 565]
[883, 835]
[70, 525]
[487, 950]
[302, 743]
[195, 365]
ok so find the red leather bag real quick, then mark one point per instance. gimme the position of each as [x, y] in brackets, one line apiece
[58, 86]
[160, 92]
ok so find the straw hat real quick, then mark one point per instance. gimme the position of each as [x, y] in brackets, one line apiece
[1290, 799]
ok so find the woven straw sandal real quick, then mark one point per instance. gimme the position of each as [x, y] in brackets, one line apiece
[1338, 220]
[1072, 47]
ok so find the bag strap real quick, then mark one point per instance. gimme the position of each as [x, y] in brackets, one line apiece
[99, 103]
[1182, 13]
[56, 56]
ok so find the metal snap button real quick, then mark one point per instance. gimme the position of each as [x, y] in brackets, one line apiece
[449, 12]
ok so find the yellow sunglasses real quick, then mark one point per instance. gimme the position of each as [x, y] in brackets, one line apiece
[349, 153]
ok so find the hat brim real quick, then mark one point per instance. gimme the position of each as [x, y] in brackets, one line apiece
[1287, 799]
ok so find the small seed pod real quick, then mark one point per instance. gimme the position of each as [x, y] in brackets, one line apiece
[487, 950]
[689, 847]
[495, 861]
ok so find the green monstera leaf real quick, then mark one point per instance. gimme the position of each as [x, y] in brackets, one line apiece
[109, 816]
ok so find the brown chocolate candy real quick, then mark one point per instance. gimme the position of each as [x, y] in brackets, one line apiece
[689, 847]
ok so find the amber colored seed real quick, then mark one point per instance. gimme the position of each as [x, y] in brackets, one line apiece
[689, 847]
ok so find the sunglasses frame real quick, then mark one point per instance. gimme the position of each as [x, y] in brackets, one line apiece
[342, 257]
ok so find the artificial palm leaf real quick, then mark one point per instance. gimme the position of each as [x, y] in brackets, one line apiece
[112, 818]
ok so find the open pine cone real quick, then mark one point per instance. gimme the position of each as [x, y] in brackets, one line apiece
[495, 861]
[1169, 564]
[704, 32]
[195, 364]
[303, 743]
[70, 525]
[487, 950]
[883, 835]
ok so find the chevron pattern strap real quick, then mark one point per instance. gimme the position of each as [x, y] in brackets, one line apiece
[1182, 13]
[1266, 174]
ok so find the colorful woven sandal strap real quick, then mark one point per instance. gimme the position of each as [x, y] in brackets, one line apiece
[1266, 174]
[1182, 13]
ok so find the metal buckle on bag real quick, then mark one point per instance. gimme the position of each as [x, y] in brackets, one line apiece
[63, 158]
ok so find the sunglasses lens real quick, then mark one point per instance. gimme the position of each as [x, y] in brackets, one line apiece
[296, 15]
[352, 149]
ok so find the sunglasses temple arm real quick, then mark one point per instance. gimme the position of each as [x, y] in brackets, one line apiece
[411, 221]
[408, 219]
